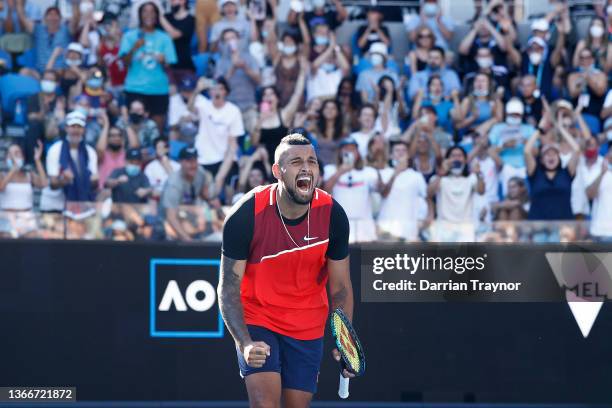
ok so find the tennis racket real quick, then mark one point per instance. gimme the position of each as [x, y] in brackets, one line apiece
[349, 347]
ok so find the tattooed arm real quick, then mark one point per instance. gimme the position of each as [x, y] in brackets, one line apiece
[340, 287]
[237, 235]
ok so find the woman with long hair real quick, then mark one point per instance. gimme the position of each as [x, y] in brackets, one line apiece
[516, 204]
[330, 129]
[481, 107]
[148, 51]
[598, 42]
[350, 102]
[16, 184]
[416, 59]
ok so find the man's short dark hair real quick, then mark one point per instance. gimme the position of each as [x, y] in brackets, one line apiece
[222, 81]
[294, 139]
[160, 139]
[439, 49]
[227, 30]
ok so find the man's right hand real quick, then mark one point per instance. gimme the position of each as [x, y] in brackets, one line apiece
[255, 353]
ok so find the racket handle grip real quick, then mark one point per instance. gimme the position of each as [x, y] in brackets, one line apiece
[343, 387]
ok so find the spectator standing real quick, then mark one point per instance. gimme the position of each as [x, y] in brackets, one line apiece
[538, 60]
[230, 20]
[509, 138]
[351, 184]
[241, 71]
[588, 86]
[220, 126]
[321, 13]
[549, 183]
[139, 128]
[329, 131]
[72, 165]
[116, 70]
[589, 166]
[49, 34]
[482, 106]
[188, 186]
[368, 79]
[431, 16]
[455, 187]
[532, 101]
[434, 97]
[328, 64]
[374, 31]
[16, 185]
[180, 118]
[159, 169]
[404, 195]
[111, 149]
[367, 128]
[147, 51]
[600, 191]
[597, 41]
[180, 26]
[128, 184]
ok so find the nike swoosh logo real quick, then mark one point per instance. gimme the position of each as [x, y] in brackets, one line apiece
[309, 238]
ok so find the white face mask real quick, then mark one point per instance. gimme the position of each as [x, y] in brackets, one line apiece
[596, 31]
[377, 59]
[609, 135]
[289, 49]
[513, 120]
[86, 7]
[48, 86]
[318, 3]
[478, 93]
[484, 62]
[535, 58]
[74, 62]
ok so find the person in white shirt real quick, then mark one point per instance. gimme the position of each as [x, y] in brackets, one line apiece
[455, 188]
[220, 125]
[490, 165]
[158, 170]
[72, 167]
[179, 115]
[589, 165]
[600, 191]
[404, 194]
[351, 184]
[16, 184]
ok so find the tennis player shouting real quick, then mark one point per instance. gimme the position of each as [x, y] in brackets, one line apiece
[282, 244]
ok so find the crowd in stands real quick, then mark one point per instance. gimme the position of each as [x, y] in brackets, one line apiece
[182, 103]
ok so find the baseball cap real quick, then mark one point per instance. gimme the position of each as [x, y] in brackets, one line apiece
[515, 106]
[224, 2]
[347, 141]
[563, 104]
[541, 24]
[188, 153]
[378, 47]
[76, 47]
[188, 83]
[537, 41]
[76, 118]
[133, 154]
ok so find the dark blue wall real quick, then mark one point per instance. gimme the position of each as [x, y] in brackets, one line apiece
[78, 314]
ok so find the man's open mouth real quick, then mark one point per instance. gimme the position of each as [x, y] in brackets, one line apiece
[303, 184]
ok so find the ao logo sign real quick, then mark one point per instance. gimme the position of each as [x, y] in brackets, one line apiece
[173, 296]
[184, 298]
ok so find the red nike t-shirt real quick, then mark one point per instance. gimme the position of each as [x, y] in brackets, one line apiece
[284, 286]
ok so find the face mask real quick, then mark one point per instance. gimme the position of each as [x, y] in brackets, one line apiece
[94, 83]
[596, 31]
[83, 110]
[430, 9]
[591, 153]
[609, 135]
[289, 49]
[132, 170]
[175, 9]
[318, 3]
[328, 67]
[264, 34]
[567, 122]
[457, 167]
[484, 62]
[136, 118]
[479, 94]
[535, 58]
[377, 60]
[609, 166]
[513, 120]
[115, 147]
[74, 62]
[586, 69]
[18, 163]
[233, 45]
[320, 40]
[48, 86]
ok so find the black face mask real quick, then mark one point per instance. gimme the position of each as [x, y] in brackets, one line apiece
[175, 9]
[136, 118]
[115, 147]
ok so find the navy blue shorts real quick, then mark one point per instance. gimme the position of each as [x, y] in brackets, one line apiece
[297, 361]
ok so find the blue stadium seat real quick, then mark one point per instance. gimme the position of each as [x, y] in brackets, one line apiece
[202, 61]
[27, 59]
[6, 57]
[14, 87]
[592, 122]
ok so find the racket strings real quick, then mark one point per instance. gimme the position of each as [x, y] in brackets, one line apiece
[347, 346]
